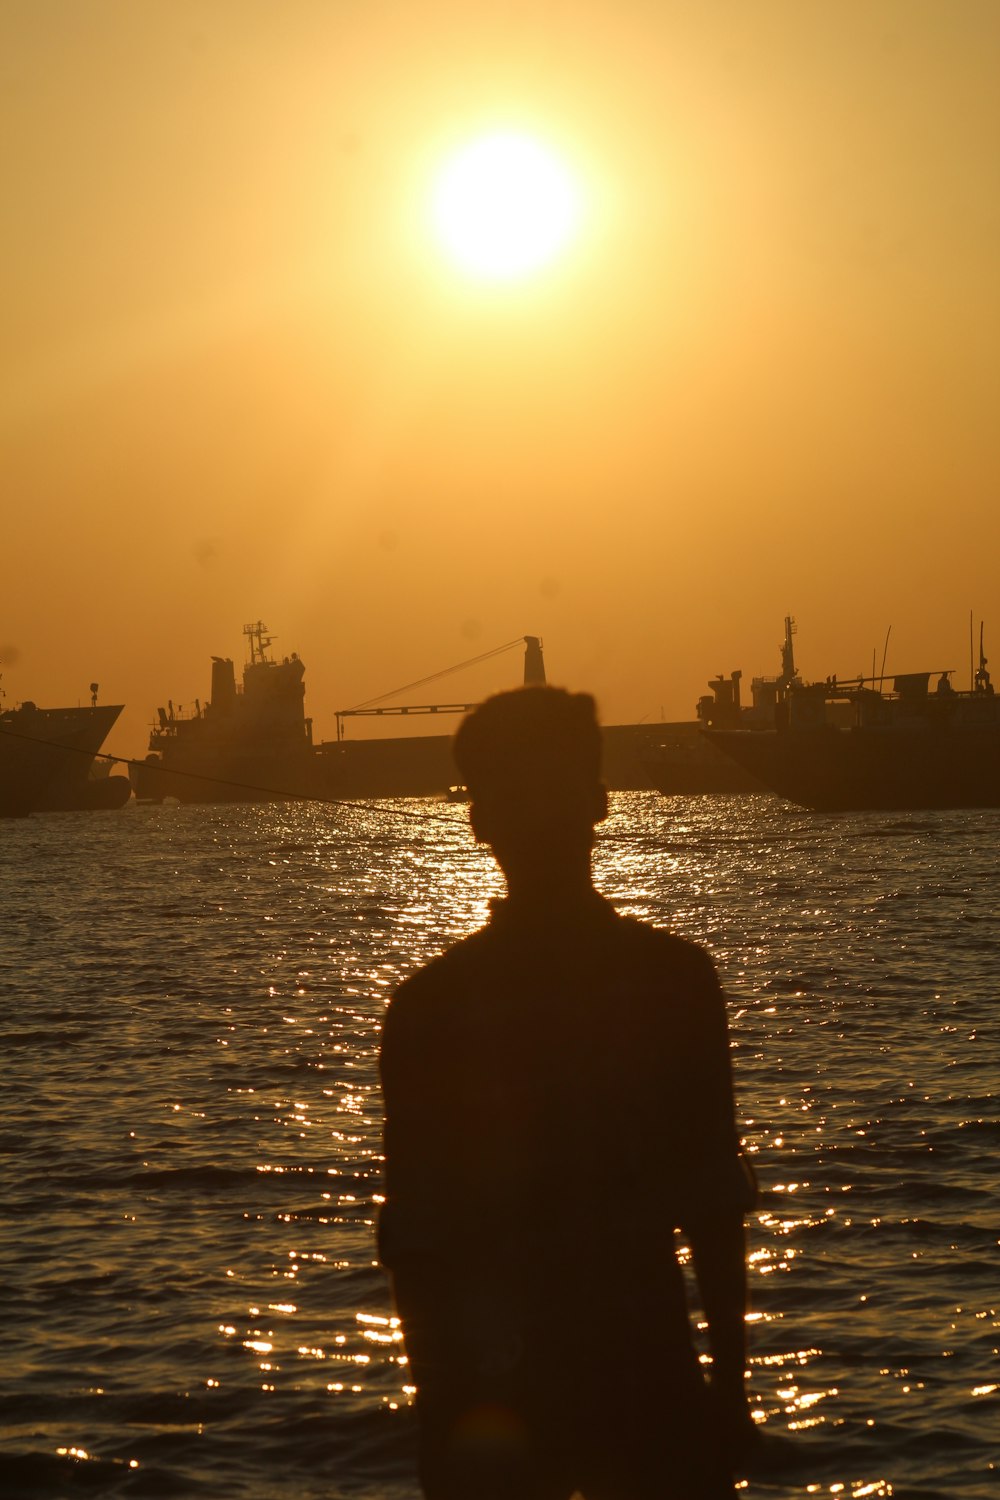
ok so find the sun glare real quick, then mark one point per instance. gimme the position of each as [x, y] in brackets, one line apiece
[503, 206]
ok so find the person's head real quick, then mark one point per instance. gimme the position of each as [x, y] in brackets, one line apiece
[531, 760]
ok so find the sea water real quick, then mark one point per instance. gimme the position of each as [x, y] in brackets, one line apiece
[190, 1004]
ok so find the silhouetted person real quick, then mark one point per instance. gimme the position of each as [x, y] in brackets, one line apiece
[558, 1098]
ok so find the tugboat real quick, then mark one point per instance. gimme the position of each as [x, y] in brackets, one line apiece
[840, 746]
[250, 743]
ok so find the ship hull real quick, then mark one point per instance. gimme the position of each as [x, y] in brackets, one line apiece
[412, 766]
[689, 765]
[891, 769]
[224, 774]
[423, 765]
[46, 755]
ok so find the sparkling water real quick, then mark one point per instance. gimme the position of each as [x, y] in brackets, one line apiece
[190, 1004]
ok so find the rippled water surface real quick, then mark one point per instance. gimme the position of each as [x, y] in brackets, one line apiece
[190, 1002]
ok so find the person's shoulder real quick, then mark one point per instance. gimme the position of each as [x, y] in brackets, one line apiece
[660, 947]
[442, 977]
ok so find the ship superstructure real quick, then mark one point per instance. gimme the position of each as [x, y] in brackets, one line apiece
[689, 764]
[852, 744]
[251, 742]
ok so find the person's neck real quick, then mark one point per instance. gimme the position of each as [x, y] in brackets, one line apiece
[543, 889]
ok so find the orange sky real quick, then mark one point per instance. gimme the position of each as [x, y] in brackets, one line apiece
[237, 381]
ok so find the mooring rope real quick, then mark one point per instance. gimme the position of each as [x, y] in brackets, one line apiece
[280, 794]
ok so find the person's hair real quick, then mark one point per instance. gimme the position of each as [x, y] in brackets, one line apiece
[531, 736]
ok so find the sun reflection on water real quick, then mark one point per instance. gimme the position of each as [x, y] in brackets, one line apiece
[211, 1232]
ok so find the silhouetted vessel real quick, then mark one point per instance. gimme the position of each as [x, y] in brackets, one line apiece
[850, 746]
[415, 765]
[47, 759]
[421, 765]
[255, 744]
[248, 744]
[689, 764]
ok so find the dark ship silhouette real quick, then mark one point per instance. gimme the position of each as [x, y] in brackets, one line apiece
[423, 766]
[254, 743]
[690, 764]
[406, 765]
[249, 743]
[48, 759]
[840, 746]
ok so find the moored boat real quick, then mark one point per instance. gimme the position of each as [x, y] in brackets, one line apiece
[47, 758]
[689, 764]
[421, 765]
[850, 746]
[413, 765]
[249, 743]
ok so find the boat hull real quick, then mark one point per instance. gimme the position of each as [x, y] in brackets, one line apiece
[46, 755]
[224, 773]
[891, 769]
[691, 766]
[423, 765]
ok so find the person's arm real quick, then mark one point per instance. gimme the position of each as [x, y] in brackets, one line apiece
[410, 1223]
[718, 1249]
[414, 1131]
[720, 1189]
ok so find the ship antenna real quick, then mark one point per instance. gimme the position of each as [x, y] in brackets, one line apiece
[885, 652]
[259, 641]
[788, 653]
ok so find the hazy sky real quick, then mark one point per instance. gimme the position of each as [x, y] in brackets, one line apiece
[239, 380]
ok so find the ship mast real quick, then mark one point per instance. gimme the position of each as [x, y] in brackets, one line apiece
[259, 642]
[788, 672]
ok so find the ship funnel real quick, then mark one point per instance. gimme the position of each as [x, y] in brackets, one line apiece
[223, 685]
[534, 666]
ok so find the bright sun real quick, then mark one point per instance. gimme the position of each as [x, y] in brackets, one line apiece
[503, 206]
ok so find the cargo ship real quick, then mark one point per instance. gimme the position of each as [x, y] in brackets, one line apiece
[48, 759]
[844, 746]
[414, 765]
[423, 766]
[251, 742]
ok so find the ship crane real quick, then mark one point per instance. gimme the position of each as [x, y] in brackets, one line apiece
[534, 676]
